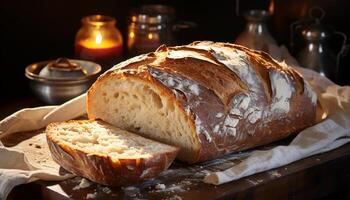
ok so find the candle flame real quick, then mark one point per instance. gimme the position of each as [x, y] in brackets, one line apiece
[131, 34]
[272, 7]
[150, 36]
[98, 38]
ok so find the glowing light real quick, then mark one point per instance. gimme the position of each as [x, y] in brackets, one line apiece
[324, 115]
[320, 49]
[150, 36]
[272, 7]
[98, 38]
[311, 47]
[131, 35]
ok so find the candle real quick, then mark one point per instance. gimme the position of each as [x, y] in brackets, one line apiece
[98, 40]
[105, 52]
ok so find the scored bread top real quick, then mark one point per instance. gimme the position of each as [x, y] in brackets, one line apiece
[235, 97]
[224, 68]
[102, 139]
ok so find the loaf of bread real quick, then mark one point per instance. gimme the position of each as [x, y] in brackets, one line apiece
[106, 154]
[207, 98]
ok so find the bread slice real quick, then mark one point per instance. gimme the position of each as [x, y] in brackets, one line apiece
[105, 154]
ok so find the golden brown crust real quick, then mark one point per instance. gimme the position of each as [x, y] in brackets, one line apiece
[222, 89]
[102, 168]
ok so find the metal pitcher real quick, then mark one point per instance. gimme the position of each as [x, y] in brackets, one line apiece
[256, 34]
[316, 52]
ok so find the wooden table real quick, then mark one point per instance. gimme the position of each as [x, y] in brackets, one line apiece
[324, 175]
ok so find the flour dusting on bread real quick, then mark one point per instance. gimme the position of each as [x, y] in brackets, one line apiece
[207, 98]
[282, 92]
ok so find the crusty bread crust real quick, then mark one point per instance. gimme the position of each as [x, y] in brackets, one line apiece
[240, 98]
[104, 169]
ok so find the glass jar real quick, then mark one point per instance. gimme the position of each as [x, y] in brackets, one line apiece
[99, 40]
[150, 26]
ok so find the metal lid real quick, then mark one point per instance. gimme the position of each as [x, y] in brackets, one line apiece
[153, 14]
[99, 20]
[62, 71]
[314, 32]
[62, 67]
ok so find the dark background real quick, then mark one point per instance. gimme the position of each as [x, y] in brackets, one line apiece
[38, 30]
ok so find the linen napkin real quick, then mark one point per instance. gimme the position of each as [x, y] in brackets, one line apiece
[30, 160]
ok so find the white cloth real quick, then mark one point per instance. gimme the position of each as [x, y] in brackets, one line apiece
[327, 135]
[35, 118]
[324, 136]
[26, 162]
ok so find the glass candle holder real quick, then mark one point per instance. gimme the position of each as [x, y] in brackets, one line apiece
[99, 40]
